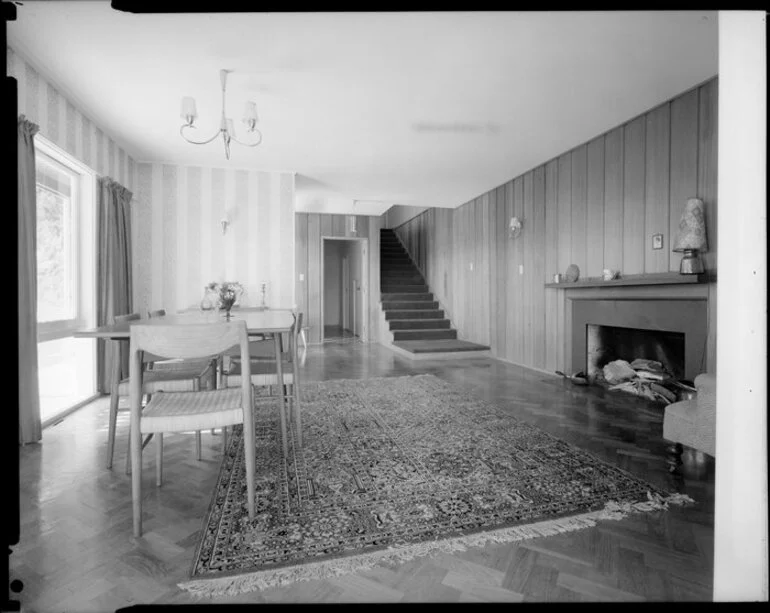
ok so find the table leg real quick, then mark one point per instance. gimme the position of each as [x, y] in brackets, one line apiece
[114, 399]
[279, 371]
[295, 390]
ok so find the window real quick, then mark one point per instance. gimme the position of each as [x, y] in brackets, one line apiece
[65, 280]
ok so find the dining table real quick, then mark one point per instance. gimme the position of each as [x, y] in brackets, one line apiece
[260, 322]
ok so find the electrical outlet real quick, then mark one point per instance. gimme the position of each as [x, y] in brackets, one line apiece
[521, 269]
[657, 241]
[470, 265]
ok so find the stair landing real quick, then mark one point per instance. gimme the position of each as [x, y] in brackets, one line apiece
[440, 349]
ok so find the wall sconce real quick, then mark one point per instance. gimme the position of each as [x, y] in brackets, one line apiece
[514, 227]
[225, 222]
[691, 237]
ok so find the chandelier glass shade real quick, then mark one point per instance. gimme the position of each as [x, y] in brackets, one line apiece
[226, 127]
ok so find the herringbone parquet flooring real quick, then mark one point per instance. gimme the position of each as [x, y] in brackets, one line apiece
[77, 553]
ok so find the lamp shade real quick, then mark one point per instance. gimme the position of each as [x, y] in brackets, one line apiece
[250, 112]
[692, 227]
[188, 108]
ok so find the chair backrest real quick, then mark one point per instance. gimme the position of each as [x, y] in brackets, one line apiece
[157, 313]
[187, 341]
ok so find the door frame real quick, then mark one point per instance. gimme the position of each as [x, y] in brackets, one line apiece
[363, 244]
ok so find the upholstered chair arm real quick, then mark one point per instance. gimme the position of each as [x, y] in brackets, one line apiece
[705, 416]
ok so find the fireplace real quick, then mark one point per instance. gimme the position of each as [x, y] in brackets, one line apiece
[669, 331]
[605, 344]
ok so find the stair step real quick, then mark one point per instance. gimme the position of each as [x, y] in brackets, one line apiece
[419, 324]
[410, 281]
[410, 305]
[397, 314]
[403, 288]
[400, 272]
[391, 296]
[416, 335]
[440, 346]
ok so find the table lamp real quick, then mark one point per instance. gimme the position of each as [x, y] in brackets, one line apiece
[691, 238]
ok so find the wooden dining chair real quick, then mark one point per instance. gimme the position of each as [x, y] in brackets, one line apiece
[186, 365]
[184, 411]
[179, 379]
[264, 373]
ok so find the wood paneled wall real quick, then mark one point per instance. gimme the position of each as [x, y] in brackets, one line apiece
[596, 206]
[310, 229]
[179, 246]
[62, 123]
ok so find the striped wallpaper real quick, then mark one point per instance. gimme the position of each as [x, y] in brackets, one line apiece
[66, 126]
[178, 242]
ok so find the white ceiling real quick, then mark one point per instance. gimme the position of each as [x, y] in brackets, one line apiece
[422, 109]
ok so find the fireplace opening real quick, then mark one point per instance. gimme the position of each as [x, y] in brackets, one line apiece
[606, 344]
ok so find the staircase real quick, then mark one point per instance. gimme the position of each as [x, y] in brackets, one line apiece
[415, 325]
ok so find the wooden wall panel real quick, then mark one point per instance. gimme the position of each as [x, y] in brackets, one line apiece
[613, 199]
[510, 330]
[633, 197]
[526, 238]
[551, 261]
[683, 183]
[656, 192]
[707, 191]
[539, 272]
[494, 302]
[596, 206]
[314, 272]
[579, 209]
[502, 286]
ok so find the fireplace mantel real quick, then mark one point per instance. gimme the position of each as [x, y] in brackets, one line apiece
[665, 278]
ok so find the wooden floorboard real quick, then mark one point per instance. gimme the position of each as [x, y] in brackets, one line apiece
[77, 553]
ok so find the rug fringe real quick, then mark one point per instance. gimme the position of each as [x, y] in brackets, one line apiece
[260, 580]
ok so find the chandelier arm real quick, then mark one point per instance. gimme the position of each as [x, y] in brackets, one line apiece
[240, 142]
[196, 142]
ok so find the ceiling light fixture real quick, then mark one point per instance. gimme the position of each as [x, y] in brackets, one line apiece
[226, 127]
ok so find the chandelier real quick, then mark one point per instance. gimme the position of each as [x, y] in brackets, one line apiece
[226, 127]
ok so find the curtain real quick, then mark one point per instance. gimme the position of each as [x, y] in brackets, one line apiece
[30, 430]
[113, 272]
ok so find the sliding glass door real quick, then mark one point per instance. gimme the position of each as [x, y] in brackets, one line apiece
[65, 281]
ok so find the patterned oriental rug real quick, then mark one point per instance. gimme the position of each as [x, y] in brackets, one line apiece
[394, 468]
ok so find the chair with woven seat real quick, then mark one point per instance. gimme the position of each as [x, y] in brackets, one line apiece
[264, 373]
[189, 410]
[182, 377]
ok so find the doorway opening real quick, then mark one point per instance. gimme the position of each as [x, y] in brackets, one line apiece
[344, 289]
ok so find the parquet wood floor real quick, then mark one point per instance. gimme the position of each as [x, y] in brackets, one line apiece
[77, 553]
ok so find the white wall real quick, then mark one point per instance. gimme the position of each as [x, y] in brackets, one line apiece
[178, 242]
[740, 513]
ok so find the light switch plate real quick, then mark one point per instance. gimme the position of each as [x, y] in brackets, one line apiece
[521, 269]
[301, 277]
[657, 241]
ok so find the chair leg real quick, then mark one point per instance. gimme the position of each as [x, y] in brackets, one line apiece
[113, 424]
[136, 482]
[198, 444]
[158, 458]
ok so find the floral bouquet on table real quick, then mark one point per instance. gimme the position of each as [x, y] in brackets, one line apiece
[227, 294]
